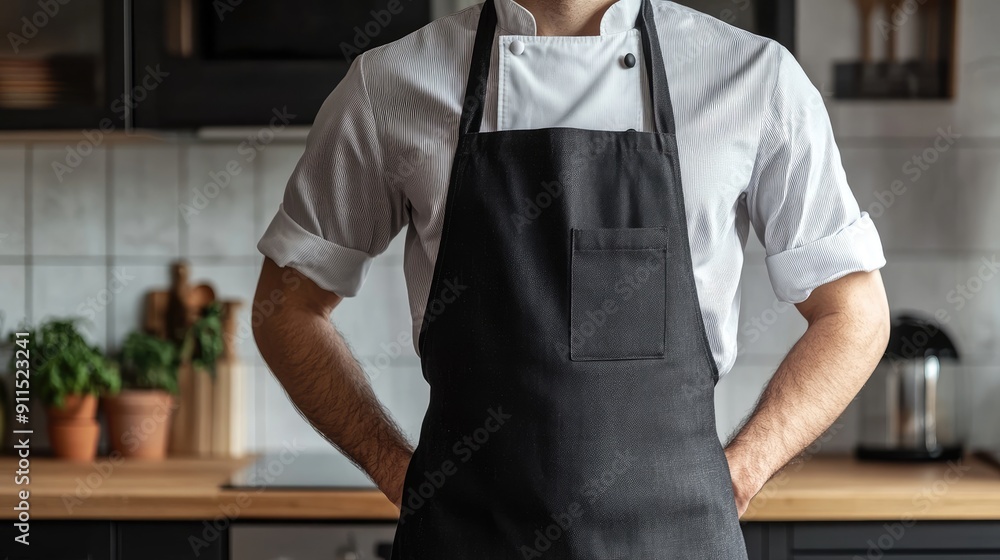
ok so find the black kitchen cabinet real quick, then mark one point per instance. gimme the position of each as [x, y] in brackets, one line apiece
[101, 66]
[889, 540]
[171, 540]
[754, 534]
[182, 540]
[59, 540]
[235, 63]
[116, 540]
[65, 68]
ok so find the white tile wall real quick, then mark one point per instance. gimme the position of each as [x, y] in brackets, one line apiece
[68, 204]
[978, 197]
[985, 424]
[282, 423]
[274, 167]
[219, 200]
[67, 290]
[145, 187]
[736, 394]
[913, 208]
[768, 327]
[973, 302]
[378, 319]
[13, 298]
[127, 311]
[12, 191]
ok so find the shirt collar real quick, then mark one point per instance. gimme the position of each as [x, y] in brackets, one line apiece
[515, 19]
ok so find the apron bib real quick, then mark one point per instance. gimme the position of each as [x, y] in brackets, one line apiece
[571, 412]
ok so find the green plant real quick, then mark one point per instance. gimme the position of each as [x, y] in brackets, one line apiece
[203, 344]
[63, 364]
[149, 362]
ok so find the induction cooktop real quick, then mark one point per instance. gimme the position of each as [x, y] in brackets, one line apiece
[284, 471]
[990, 455]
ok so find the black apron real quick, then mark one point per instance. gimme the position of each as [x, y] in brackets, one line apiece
[571, 411]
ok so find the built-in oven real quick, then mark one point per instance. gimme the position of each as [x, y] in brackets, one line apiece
[247, 62]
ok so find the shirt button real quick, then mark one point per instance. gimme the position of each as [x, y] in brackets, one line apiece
[629, 60]
[516, 47]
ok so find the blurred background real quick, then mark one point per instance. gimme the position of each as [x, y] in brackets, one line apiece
[133, 137]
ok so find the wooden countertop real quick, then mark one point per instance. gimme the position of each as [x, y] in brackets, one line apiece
[824, 488]
[818, 489]
[173, 489]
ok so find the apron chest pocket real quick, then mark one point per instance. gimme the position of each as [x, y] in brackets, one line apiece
[618, 294]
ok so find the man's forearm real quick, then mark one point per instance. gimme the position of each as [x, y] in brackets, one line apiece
[329, 387]
[813, 385]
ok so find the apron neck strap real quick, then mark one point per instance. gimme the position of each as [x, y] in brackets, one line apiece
[479, 70]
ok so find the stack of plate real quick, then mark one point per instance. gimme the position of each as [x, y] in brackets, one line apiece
[43, 83]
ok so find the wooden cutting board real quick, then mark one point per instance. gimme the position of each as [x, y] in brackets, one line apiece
[209, 416]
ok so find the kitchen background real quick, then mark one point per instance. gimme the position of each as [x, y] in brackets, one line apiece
[93, 240]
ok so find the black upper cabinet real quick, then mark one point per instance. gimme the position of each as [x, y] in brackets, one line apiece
[119, 64]
[62, 65]
[774, 19]
[253, 62]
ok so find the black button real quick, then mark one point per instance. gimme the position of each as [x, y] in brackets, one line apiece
[629, 60]
[630, 130]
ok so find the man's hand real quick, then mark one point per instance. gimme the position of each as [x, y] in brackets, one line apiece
[847, 335]
[746, 484]
[292, 327]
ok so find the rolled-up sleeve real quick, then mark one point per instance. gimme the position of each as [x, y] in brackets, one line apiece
[338, 212]
[799, 201]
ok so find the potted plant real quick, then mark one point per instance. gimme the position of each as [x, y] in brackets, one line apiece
[67, 375]
[139, 415]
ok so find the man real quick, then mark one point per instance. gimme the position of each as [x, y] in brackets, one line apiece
[574, 301]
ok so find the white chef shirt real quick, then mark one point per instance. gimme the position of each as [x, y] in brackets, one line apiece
[754, 139]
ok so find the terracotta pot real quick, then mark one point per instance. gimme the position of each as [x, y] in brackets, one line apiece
[74, 440]
[74, 408]
[139, 423]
